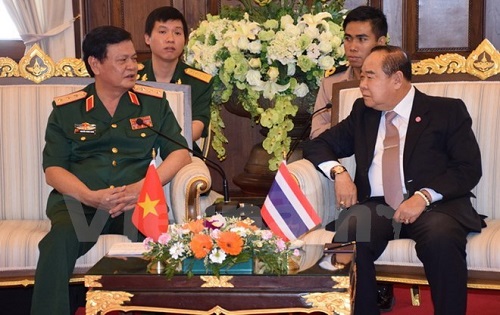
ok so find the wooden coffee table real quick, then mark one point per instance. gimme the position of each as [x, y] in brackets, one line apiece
[123, 284]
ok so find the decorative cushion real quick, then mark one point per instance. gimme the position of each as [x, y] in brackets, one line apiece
[19, 243]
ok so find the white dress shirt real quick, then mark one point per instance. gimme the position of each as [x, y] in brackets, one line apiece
[403, 110]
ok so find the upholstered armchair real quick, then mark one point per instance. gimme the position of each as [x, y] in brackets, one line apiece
[475, 80]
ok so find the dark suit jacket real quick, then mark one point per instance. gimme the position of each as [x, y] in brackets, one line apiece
[440, 152]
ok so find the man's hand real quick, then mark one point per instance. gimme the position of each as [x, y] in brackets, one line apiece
[127, 200]
[409, 211]
[114, 200]
[346, 192]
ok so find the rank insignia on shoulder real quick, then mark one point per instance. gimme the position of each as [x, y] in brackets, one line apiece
[200, 75]
[85, 128]
[69, 98]
[339, 69]
[146, 121]
[140, 66]
[143, 78]
[148, 90]
[330, 71]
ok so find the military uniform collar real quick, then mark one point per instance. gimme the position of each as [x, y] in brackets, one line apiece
[128, 105]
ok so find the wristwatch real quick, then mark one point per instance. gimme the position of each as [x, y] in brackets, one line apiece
[336, 170]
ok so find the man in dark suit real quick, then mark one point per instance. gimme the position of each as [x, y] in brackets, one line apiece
[436, 164]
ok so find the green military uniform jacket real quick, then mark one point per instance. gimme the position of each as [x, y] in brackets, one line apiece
[201, 88]
[104, 151]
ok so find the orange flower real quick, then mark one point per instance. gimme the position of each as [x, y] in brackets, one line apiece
[195, 226]
[246, 225]
[201, 245]
[230, 242]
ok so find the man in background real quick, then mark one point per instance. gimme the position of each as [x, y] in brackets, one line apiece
[166, 34]
[364, 28]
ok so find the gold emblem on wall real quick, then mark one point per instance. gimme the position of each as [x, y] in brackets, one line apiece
[36, 65]
[484, 61]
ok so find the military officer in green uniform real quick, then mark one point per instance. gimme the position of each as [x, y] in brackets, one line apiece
[166, 33]
[95, 157]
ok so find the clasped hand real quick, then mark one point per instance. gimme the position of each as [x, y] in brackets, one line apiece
[116, 200]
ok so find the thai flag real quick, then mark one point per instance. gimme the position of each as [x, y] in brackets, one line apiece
[286, 209]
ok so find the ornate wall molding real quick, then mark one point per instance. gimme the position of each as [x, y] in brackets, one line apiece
[37, 66]
[483, 62]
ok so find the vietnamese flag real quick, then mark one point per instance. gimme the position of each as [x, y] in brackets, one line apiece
[151, 212]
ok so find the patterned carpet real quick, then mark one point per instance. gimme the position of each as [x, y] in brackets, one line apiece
[483, 302]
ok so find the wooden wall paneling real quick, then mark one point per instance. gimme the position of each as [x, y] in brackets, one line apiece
[194, 11]
[213, 6]
[96, 13]
[136, 12]
[426, 23]
[78, 28]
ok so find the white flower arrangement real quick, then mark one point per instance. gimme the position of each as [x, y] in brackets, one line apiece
[277, 60]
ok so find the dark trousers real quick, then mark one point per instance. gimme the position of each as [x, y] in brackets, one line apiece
[440, 245]
[59, 250]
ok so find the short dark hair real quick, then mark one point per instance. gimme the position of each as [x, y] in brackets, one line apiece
[97, 40]
[396, 59]
[164, 14]
[373, 15]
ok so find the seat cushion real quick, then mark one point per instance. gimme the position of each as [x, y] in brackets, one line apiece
[19, 243]
[483, 250]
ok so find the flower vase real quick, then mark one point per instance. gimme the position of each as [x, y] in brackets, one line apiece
[156, 266]
[260, 268]
[197, 267]
[256, 178]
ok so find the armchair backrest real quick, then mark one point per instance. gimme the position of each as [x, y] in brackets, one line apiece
[481, 95]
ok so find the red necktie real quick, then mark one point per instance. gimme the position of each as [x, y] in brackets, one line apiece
[391, 175]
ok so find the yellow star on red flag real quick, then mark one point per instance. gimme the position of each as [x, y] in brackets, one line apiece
[151, 201]
[148, 206]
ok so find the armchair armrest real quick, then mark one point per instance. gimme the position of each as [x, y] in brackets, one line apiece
[186, 187]
[318, 189]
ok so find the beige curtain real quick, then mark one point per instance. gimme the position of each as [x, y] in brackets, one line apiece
[46, 22]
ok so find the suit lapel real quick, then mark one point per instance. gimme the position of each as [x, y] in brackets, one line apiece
[416, 125]
[372, 122]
